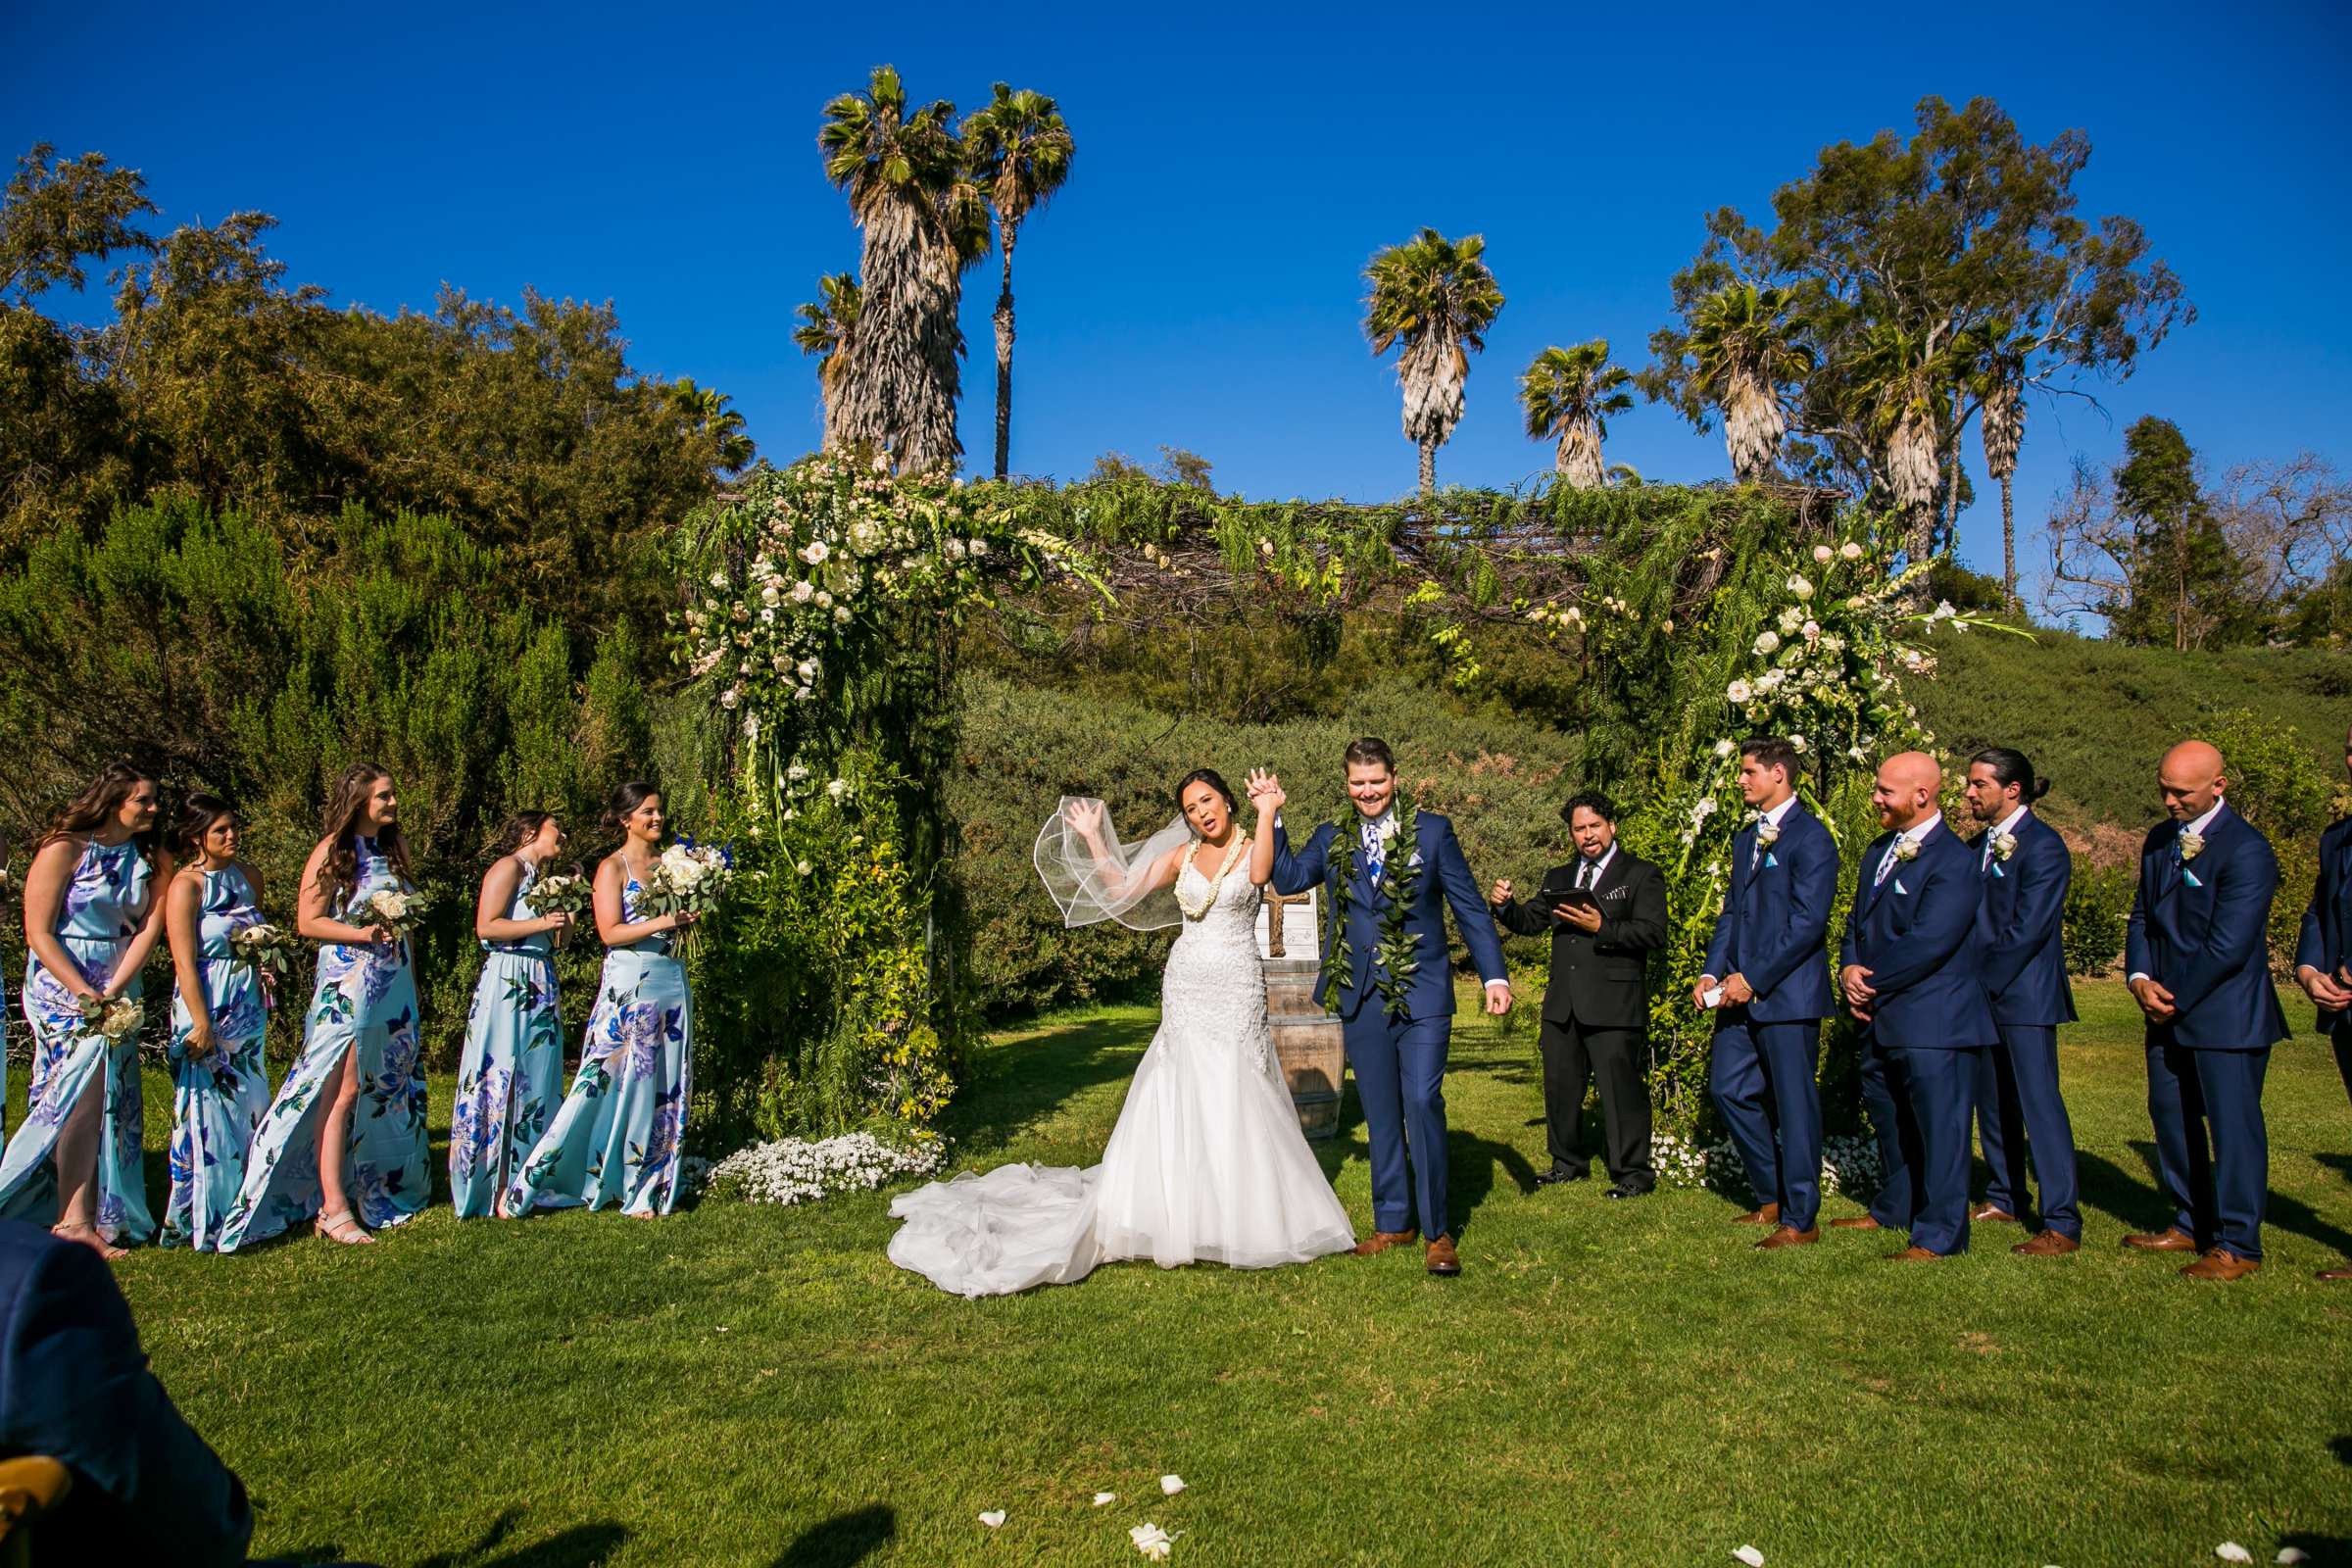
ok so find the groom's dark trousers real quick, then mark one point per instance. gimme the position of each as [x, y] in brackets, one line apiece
[1398, 1054]
[1774, 930]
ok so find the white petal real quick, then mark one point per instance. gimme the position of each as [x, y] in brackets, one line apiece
[1102, 1498]
[1751, 1556]
[1171, 1484]
[993, 1518]
[2232, 1551]
[2293, 1554]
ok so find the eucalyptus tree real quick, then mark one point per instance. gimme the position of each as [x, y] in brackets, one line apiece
[898, 376]
[1434, 297]
[1569, 395]
[827, 323]
[1019, 152]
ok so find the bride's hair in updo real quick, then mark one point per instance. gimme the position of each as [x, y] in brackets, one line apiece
[1214, 780]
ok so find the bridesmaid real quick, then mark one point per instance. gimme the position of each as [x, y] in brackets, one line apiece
[219, 1015]
[348, 1124]
[90, 921]
[615, 1139]
[512, 1076]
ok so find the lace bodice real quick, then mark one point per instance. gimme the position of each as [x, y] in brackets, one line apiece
[1214, 994]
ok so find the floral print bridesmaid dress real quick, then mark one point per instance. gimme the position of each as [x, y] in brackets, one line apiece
[365, 1001]
[218, 1099]
[105, 903]
[512, 1075]
[615, 1139]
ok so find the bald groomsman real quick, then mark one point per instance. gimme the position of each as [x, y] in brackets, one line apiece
[2323, 951]
[1910, 978]
[2201, 971]
[2024, 869]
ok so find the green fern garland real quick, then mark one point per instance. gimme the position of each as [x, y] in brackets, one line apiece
[1395, 956]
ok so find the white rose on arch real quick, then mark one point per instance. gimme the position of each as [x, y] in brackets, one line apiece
[1767, 642]
[1739, 692]
[1801, 587]
[1823, 554]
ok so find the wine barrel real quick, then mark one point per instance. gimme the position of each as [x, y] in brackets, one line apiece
[1308, 1044]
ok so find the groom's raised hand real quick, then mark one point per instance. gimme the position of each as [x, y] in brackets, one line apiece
[1264, 789]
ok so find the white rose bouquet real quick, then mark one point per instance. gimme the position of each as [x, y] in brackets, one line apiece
[269, 947]
[113, 1021]
[689, 878]
[565, 894]
[398, 907]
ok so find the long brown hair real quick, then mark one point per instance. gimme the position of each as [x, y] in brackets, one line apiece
[100, 798]
[518, 830]
[346, 810]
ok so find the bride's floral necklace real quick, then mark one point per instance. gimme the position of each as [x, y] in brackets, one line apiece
[1209, 899]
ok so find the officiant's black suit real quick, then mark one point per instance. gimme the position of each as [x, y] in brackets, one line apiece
[1596, 1011]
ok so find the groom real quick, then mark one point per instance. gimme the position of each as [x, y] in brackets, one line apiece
[1396, 1025]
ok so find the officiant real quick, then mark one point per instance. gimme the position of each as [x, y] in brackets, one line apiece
[1606, 913]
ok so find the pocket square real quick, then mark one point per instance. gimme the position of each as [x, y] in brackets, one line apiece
[2190, 877]
[1899, 888]
[1771, 858]
[1998, 872]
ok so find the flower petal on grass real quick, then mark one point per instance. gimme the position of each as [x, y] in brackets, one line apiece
[2293, 1554]
[1153, 1542]
[1103, 1498]
[993, 1518]
[2232, 1551]
[1171, 1484]
[1751, 1556]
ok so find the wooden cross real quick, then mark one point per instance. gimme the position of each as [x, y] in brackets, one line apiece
[1274, 903]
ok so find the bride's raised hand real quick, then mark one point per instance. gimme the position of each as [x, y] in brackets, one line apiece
[1085, 818]
[1265, 792]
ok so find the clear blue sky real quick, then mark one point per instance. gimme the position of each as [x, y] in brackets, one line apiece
[1197, 283]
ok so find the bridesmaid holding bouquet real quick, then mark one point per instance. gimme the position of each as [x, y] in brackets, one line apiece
[512, 1076]
[220, 1017]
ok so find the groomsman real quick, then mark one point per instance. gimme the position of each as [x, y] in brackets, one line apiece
[2024, 869]
[1606, 913]
[2201, 972]
[1768, 982]
[1910, 977]
[2323, 951]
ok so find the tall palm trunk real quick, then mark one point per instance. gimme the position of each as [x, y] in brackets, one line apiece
[1005, 356]
[1429, 465]
[1578, 460]
[2008, 547]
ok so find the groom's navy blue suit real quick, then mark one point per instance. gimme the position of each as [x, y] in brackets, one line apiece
[1773, 930]
[2022, 958]
[2199, 928]
[1914, 929]
[1399, 1059]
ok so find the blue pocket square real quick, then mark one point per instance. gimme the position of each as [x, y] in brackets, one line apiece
[2190, 877]
[1998, 872]
[1899, 888]
[1771, 858]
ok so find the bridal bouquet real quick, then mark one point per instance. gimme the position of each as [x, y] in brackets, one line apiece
[690, 879]
[397, 908]
[113, 1021]
[565, 894]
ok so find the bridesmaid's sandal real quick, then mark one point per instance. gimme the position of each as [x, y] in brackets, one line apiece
[90, 1236]
[341, 1227]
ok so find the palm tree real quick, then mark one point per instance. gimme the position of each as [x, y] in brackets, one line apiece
[826, 322]
[1020, 153]
[899, 375]
[1903, 380]
[706, 411]
[1748, 348]
[1437, 298]
[1569, 395]
[1998, 381]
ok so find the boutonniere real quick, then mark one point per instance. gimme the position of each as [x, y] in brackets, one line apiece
[2192, 844]
[1906, 849]
[2004, 845]
[1768, 832]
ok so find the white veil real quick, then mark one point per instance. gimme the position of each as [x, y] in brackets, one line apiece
[1088, 887]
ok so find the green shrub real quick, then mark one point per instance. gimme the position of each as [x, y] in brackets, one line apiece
[2098, 906]
[2277, 780]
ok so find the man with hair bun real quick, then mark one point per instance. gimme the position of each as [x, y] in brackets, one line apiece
[2324, 950]
[2024, 869]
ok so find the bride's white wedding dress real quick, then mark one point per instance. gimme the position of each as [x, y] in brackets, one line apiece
[1207, 1162]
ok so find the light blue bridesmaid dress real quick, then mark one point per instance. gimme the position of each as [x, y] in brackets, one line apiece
[365, 1001]
[615, 1139]
[512, 1075]
[218, 1099]
[105, 903]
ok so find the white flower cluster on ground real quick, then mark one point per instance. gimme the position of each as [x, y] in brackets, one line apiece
[800, 1170]
[1849, 1164]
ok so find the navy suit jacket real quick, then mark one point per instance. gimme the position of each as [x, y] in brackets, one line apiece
[1915, 932]
[2200, 931]
[74, 1386]
[2020, 954]
[1776, 920]
[2325, 941]
[1445, 879]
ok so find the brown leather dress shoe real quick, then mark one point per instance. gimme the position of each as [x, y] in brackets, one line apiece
[2171, 1239]
[2221, 1264]
[1440, 1258]
[2048, 1243]
[1991, 1214]
[1769, 1214]
[1380, 1242]
[1913, 1255]
[1788, 1236]
[1856, 1222]
[2334, 1274]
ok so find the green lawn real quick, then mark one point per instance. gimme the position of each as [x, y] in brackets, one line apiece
[1606, 1383]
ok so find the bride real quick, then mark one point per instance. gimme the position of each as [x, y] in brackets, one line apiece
[1207, 1162]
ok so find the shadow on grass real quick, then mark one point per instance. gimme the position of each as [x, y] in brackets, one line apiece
[2142, 1205]
[2323, 1550]
[1030, 1079]
[580, 1547]
[841, 1542]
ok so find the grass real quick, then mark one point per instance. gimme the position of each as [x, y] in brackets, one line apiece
[1608, 1383]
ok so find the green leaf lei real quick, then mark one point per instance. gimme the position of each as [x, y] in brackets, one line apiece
[1395, 956]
